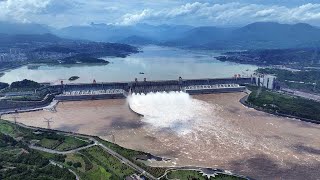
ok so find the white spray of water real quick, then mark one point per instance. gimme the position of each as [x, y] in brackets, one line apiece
[187, 117]
[197, 123]
[176, 111]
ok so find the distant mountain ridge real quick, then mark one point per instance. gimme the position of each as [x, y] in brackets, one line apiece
[23, 28]
[113, 33]
[138, 40]
[11, 39]
[259, 35]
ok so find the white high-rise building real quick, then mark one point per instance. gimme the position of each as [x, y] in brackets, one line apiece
[267, 81]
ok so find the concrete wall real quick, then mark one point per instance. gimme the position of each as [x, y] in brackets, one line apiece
[267, 81]
[20, 105]
[89, 97]
[211, 91]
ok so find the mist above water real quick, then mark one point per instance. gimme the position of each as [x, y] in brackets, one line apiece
[191, 118]
[176, 111]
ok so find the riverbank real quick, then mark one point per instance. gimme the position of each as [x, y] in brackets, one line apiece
[67, 145]
[11, 67]
[282, 104]
[245, 103]
[157, 63]
[244, 141]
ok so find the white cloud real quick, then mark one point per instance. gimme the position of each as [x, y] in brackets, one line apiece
[226, 14]
[123, 12]
[20, 9]
[129, 19]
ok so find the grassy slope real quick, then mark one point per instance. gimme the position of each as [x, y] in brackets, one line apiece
[190, 175]
[300, 80]
[95, 162]
[131, 155]
[284, 104]
[17, 161]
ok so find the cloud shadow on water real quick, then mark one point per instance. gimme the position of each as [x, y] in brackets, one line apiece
[263, 167]
[307, 149]
[120, 123]
[70, 128]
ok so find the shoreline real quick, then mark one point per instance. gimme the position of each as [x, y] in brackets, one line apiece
[213, 171]
[272, 135]
[244, 102]
[4, 70]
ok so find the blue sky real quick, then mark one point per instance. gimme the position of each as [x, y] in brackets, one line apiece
[60, 13]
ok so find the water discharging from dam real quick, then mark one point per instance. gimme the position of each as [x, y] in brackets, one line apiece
[176, 111]
[191, 118]
[208, 130]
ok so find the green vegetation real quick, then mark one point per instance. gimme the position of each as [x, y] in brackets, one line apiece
[301, 80]
[77, 165]
[3, 85]
[25, 90]
[83, 58]
[44, 139]
[25, 84]
[275, 102]
[96, 163]
[131, 155]
[71, 143]
[289, 57]
[17, 161]
[6, 128]
[73, 78]
[60, 142]
[108, 162]
[191, 175]
[92, 163]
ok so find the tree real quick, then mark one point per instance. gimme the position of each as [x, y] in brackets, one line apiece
[77, 164]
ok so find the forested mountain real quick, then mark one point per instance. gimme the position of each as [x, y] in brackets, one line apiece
[259, 35]
[23, 28]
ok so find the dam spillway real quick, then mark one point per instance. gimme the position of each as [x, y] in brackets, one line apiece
[115, 90]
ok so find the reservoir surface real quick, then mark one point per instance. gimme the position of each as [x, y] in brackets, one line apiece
[154, 63]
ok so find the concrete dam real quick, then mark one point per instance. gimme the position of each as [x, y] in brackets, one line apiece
[116, 90]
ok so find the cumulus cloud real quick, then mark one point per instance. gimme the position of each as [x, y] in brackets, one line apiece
[20, 9]
[123, 12]
[226, 14]
[129, 19]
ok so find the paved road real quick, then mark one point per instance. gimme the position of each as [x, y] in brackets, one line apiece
[59, 165]
[97, 143]
[126, 161]
[305, 95]
[60, 152]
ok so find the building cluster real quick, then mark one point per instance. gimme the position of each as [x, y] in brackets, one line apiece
[13, 55]
[20, 55]
[50, 55]
[266, 80]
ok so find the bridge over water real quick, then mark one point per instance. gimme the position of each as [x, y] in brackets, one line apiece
[107, 90]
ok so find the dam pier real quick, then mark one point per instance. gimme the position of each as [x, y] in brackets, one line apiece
[117, 90]
[121, 90]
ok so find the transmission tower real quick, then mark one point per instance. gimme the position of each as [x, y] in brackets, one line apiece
[113, 138]
[15, 117]
[48, 121]
[111, 134]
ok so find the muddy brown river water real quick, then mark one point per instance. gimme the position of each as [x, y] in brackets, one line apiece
[222, 134]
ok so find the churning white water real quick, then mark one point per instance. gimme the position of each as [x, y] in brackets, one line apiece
[187, 117]
[176, 111]
[193, 120]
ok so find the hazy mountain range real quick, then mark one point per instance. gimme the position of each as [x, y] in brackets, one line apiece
[253, 36]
